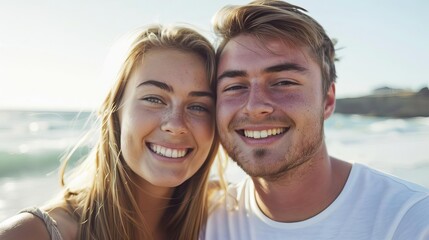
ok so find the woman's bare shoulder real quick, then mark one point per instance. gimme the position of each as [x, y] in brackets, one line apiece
[67, 224]
[28, 226]
[23, 226]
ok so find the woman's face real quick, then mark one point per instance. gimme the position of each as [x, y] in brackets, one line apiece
[167, 117]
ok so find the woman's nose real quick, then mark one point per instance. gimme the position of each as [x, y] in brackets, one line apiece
[174, 124]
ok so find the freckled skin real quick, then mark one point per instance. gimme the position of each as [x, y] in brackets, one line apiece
[173, 119]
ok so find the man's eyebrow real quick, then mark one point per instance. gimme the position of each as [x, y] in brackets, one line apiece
[285, 67]
[231, 74]
[158, 84]
[271, 69]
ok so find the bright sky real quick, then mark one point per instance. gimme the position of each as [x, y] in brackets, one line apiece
[52, 52]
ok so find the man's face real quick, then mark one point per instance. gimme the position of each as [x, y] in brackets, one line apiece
[270, 107]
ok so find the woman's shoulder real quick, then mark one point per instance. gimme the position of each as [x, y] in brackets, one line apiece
[66, 222]
[23, 226]
[29, 224]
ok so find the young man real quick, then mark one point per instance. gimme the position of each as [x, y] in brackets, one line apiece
[276, 86]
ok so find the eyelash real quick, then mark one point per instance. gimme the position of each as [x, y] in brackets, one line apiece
[280, 83]
[153, 100]
[199, 108]
[233, 88]
[284, 83]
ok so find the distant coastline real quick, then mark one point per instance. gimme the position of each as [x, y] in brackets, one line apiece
[382, 102]
[387, 102]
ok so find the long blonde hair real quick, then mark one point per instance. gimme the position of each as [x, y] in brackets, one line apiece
[105, 207]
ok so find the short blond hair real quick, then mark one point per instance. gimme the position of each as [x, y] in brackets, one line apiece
[267, 19]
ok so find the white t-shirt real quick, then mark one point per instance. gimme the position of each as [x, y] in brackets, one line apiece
[372, 205]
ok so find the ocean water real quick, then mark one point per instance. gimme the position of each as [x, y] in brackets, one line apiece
[32, 143]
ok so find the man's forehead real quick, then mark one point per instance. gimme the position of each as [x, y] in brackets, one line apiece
[247, 48]
[249, 44]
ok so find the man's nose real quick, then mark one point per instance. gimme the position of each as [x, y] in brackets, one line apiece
[258, 102]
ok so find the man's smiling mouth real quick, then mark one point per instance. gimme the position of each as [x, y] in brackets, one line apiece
[262, 133]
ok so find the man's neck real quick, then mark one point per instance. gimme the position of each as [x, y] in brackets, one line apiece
[303, 192]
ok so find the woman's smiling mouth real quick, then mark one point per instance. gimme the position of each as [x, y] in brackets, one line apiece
[168, 152]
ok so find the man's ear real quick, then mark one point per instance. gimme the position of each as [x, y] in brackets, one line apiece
[329, 103]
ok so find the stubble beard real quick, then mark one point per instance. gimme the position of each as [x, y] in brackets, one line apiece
[295, 156]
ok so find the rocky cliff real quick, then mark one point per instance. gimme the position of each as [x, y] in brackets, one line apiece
[392, 104]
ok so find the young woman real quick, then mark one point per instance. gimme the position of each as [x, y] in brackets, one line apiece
[147, 176]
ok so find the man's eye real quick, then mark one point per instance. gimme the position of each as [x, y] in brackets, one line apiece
[284, 83]
[153, 100]
[233, 88]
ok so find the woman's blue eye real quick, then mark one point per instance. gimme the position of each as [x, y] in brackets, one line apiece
[198, 108]
[153, 100]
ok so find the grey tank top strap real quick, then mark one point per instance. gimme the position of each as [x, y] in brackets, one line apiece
[50, 223]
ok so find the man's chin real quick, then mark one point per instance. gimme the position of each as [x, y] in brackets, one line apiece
[259, 168]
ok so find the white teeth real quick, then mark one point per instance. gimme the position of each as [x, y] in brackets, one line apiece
[256, 134]
[263, 133]
[168, 152]
[162, 151]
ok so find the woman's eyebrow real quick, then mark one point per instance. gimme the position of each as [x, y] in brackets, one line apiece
[158, 84]
[170, 89]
